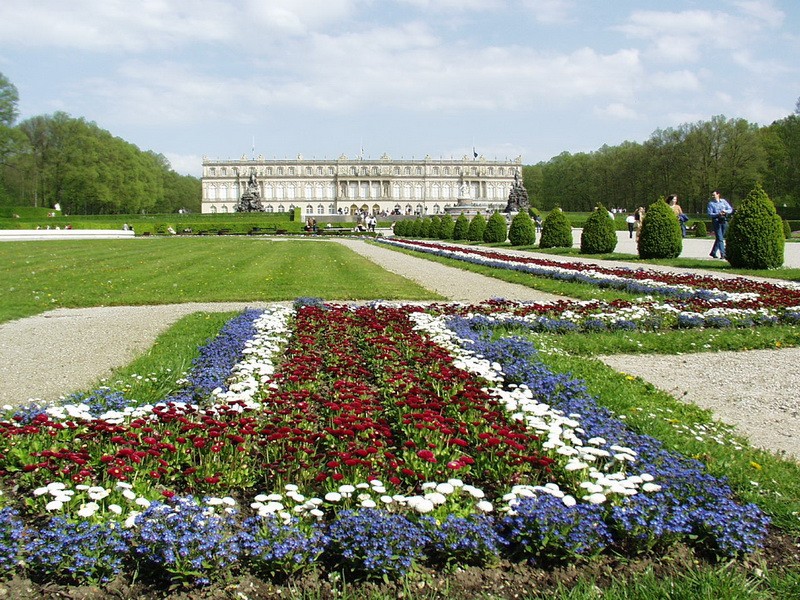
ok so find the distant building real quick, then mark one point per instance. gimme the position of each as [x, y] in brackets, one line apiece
[348, 186]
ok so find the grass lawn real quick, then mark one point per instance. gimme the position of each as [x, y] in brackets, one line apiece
[39, 276]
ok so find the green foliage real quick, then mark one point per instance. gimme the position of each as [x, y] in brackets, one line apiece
[9, 97]
[522, 231]
[787, 229]
[599, 234]
[756, 237]
[461, 228]
[400, 228]
[446, 231]
[496, 230]
[700, 229]
[556, 230]
[435, 229]
[415, 229]
[660, 236]
[476, 227]
[425, 228]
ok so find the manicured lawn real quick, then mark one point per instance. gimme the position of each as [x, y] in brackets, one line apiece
[38, 276]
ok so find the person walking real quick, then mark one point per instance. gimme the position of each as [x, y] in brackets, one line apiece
[719, 210]
[638, 216]
[631, 221]
[672, 200]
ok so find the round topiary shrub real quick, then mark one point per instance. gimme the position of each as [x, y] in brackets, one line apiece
[460, 228]
[755, 238]
[496, 231]
[556, 230]
[599, 233]
[476, 227]
[446, 231]
[522, 231]
[660, 236]
[700, 229]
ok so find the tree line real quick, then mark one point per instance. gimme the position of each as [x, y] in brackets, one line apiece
[691, 160]
[57, 159]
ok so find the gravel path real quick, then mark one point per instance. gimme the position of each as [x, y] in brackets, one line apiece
[72, 349]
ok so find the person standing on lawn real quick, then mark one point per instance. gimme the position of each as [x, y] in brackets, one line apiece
[719, 210]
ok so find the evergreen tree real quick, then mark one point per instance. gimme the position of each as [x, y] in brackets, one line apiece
[599, 234]
[522, 231]
[755, 238]
[556, 230]
[461, 227]
[435, 230]
[476, 227]
[425, 228]
[660, 236]
[496, 230]
[446, 231]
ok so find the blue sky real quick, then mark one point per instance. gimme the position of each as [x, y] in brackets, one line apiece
[410, 78]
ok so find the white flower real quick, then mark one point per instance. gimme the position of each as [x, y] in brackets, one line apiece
[115, 508]
[54, 505]
[333, 497]
[88, 509]
[423, 506]
[651, 487]
[368, 503]
[569, 501]
[484, 506]
[596, 498]
[143, 502]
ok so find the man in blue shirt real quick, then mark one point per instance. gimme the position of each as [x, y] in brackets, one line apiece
[720, 211]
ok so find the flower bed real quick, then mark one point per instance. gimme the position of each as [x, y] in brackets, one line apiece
[361, 439]
[688, 300]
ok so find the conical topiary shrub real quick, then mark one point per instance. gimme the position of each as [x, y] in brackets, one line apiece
[599, 233]
[460, 228]
[425, 228]
[522, 231]
[435, 230]
[660, 236]
[446, 231]
[496, 231]
[556, 230]
[415, 228]
[755, 238]
[400, 228]
[476, 227]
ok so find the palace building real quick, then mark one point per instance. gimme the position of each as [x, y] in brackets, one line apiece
[349, 186]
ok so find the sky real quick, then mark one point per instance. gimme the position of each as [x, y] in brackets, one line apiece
[409, 78]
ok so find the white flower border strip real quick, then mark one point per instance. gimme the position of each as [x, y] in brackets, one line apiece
[560, 432]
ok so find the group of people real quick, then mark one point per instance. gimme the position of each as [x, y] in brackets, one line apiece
[719, 211]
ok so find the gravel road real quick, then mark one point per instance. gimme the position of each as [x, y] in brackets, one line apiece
[72, 349]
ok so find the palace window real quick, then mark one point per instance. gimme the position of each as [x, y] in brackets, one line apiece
[309, 210]
[281, 208]
[320, 209]
[270, 208]
[213, 210]
[212, 171]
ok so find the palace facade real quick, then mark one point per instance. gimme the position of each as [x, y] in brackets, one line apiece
[349, 186]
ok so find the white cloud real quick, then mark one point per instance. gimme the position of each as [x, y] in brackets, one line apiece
[550, 11]
[762, 10]
[617, 110]
[675, 81]
[186, 164]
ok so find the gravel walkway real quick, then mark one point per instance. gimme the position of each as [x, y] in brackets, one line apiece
[72, 349]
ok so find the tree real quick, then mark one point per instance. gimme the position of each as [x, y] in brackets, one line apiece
[755, 239]
[446, 231]
[522, 231]
[599, 234]
[476, 227]
[556, 230]
[496, 231]
[461, 227]
[8, 102]
[660, 236]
